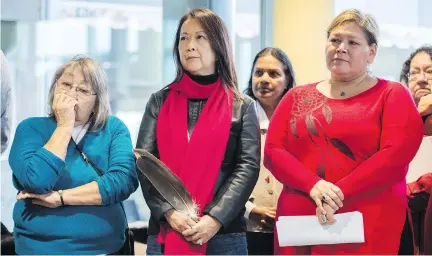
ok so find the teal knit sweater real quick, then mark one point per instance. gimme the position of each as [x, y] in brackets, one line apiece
[71, 229]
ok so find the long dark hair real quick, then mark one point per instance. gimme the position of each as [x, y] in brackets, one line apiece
[403, 77]
[220, 42]
[282, 58]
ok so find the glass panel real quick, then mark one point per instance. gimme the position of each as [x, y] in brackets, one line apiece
[403, 29]
[131, 39]
[248, 37]
[125, 37]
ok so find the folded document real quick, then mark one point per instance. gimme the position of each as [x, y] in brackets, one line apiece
[306, 230]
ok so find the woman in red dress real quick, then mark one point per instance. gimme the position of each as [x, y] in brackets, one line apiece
[344, 144]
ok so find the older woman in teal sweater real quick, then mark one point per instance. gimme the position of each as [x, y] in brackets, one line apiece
[64, 206]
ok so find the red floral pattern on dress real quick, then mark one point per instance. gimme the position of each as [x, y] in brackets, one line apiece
[307, 102]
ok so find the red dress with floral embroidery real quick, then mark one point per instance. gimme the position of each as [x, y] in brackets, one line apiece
[362, 144]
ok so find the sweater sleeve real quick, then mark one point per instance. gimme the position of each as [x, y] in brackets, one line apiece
[120, 180]
[422, 184]
[401, 135]
[285, 167]
[34, 168]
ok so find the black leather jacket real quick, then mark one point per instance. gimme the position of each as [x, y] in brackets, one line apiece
[239, 171]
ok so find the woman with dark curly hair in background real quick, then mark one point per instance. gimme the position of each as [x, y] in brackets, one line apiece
[417, 75]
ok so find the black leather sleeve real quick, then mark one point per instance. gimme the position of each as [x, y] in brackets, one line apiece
[235, 191]
[147, 140]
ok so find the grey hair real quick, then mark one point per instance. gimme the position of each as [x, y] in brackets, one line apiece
[97, 78]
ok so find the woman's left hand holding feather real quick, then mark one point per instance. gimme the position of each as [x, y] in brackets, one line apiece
[203, 231]
[178, 220]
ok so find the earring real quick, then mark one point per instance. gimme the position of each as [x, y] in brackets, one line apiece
[368, 68]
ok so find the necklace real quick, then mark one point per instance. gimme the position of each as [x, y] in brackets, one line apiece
[343, 94]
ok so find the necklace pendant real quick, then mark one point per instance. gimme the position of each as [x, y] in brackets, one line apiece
[342, 94]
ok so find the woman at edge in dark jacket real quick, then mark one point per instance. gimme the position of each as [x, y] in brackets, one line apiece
[217, 156]
[417, 75]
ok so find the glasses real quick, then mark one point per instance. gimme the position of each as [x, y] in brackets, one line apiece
[81, 92]
[415, 74]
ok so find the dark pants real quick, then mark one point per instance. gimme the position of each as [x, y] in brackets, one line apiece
[260, 243]
[406, 244]
[417, 208]
[226, 244]
[7, 241]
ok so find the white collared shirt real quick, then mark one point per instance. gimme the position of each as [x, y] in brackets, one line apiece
[262, 117]
[78, 132]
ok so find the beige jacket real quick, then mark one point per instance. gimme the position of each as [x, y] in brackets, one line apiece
[267, 189]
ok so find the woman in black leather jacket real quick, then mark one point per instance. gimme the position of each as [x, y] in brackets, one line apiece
[207, 133]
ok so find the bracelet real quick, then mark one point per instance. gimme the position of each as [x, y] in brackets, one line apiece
[60, 192]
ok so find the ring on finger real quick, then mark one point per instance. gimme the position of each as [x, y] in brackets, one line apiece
[325, 197]
[200, 242]
[324, 218]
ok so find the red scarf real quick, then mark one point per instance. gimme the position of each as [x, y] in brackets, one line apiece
[196, 162]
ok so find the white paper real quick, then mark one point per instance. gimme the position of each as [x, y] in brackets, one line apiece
[306, 230]
[422, 161]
